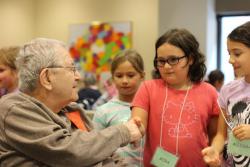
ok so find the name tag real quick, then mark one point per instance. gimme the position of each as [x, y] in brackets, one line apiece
[237, 147]
[164, 158]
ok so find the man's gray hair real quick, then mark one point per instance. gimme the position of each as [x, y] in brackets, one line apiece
[34, 56]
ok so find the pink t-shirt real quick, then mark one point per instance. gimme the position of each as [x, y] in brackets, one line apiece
[200, 105]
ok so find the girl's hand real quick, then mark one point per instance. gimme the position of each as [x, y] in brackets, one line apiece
[211, 156]
[139, 124]
[242, 132]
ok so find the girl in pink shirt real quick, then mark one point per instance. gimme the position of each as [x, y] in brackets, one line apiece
[178, 110]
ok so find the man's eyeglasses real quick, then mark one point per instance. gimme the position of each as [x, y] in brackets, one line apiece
[171, 60]
[71, 68]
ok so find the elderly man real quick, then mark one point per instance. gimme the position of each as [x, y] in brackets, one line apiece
[39, 126]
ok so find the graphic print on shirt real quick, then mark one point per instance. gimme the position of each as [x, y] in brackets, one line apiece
[239, 114]
[188, 118]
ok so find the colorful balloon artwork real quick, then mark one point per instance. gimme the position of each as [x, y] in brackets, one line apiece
[96, 45]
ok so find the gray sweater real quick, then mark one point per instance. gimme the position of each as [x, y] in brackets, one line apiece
[32, 135]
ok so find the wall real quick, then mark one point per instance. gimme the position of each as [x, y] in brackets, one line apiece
[17, 21]
[22, 20]
[211, 37]
[232, 6]
[54, 16]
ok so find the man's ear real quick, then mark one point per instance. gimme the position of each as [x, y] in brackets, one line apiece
[45, 79]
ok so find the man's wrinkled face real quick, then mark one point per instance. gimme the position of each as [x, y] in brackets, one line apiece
[64, 78]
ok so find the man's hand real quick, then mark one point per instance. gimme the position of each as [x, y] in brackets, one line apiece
[211, 157]
[135, 132]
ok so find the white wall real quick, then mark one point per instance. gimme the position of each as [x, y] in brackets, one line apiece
[16, 21]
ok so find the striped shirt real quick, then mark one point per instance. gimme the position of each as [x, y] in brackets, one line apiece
[112, 113]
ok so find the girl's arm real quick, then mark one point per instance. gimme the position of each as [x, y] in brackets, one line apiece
[140, 115]
[211, 154]
[221, 135]
[212, 128]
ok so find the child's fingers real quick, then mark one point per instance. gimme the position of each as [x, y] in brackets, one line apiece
[139, 124]
[210, 156]
[137, 121]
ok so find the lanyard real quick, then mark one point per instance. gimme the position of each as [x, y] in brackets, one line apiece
[179, 120]
[230, 125]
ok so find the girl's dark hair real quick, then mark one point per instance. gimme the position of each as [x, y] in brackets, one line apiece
[241, 34]
[131, 56]
[215, 75]
[184, 40]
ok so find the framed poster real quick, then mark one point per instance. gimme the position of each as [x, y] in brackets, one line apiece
[94, 45]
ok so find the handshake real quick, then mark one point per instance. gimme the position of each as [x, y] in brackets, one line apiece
[136, 129]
